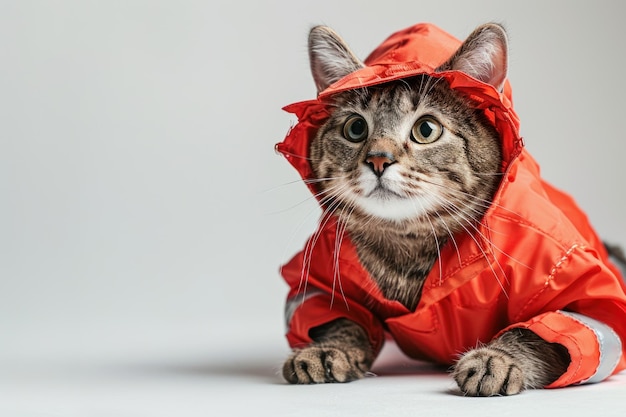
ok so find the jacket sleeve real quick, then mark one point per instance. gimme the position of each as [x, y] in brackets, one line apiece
[581, 305]
[308, 306]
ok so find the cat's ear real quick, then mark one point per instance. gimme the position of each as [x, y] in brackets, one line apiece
[483, 55]
[330, 57]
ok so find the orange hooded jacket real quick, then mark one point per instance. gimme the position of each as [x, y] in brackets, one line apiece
[534, 261]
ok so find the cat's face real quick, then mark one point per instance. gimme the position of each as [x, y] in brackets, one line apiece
[402, 150]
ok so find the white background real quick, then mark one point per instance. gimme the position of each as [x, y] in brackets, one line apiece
[143, 210]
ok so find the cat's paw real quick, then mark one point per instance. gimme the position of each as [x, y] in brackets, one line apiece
[315, 365]
[487, 372]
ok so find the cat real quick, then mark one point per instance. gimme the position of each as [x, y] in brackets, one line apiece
[406, 167]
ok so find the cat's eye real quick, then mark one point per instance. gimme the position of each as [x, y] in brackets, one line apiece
[355, 129]
[426, 130]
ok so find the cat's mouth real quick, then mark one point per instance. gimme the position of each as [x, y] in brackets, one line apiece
[384, 193]
[385, 203]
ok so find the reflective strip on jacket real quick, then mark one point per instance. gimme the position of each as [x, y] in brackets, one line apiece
[534, 262]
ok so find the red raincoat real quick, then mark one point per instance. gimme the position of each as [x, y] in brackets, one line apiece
[536, 262]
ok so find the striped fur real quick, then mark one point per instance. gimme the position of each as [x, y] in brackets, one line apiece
[428, 194]
[400, 199]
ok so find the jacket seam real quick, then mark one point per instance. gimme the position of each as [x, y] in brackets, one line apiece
[551, 276]
[469, 260]
[527, 224]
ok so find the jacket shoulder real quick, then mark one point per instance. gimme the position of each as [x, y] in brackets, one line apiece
[528, 208]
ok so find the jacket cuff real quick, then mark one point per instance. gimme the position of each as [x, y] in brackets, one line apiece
[303, 313]
[610, 346]
[594, 348]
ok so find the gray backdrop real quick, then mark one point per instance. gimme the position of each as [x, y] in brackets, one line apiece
[142, 203]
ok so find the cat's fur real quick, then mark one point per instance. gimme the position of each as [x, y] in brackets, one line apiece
[401, 197]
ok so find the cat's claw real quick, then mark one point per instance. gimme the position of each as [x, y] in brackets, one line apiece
[486, 372]
[316, 365]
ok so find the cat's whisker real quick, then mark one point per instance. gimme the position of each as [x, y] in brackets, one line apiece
[318, 180]
[339, 236]
[420, 89]
[308, 250]
[278, 187]
[459, 216]
[321, 195]
[462, 219]
[495, 274]
[493, 246]
[471, 219]
[437, 243]
[481, 202]
[428, 87]
[451, 234]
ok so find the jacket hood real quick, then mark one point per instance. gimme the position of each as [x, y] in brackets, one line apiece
[419, 49]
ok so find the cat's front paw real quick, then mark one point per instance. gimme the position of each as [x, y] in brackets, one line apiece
[316, 364]
[487, 372]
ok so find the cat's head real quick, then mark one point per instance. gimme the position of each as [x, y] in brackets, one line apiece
[409, 149]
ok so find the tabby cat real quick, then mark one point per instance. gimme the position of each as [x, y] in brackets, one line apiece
[406, 166]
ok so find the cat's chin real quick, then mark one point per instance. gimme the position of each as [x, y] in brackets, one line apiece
[393, 207]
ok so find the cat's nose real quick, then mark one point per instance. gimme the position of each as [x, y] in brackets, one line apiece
[379, 161]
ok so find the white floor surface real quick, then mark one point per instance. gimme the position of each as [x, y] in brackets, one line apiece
[170, 372]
